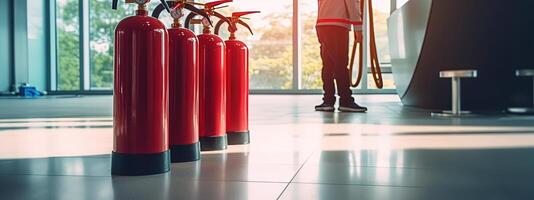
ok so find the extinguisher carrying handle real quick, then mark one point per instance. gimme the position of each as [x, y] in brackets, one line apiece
[216, 3]
[200, 12]
[176, 5]
[114, 5]
[193, 15]
[241, 14]
[221, 22]
[234, 20]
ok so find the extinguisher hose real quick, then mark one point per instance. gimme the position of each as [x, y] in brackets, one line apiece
[218, 26]
[157, 11]
[190, 17]
[376, 71]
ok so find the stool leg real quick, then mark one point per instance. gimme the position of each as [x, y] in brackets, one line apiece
[456, 96]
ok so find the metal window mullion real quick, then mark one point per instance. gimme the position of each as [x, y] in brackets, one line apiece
[11, 45]
[365, 32]
[297, 46]
[80, 45]
[52, 45]
[84, 44]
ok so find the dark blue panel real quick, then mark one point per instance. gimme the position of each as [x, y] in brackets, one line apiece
[493, 36]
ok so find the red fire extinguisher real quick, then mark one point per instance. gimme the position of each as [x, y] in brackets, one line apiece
[236, 81]
[212, 83]
[140, 95]
[183, 84]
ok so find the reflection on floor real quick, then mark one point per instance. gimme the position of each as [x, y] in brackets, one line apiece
[392, 152]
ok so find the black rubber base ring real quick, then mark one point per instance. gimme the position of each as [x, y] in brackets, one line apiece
[185, 152]
[237, 138]
[127, 164]
[213, 143]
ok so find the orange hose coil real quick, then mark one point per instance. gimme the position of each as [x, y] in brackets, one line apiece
[358, 44]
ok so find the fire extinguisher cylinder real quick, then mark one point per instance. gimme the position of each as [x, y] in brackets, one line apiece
[140, 96]
[237, 84]
[237, 91]
[183, 85]
[212, 92]
[212, 82]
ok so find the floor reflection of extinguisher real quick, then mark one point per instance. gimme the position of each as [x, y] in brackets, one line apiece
[212, 82]
[237, 88]
[140, 95]
[183, 84]
[358, 44]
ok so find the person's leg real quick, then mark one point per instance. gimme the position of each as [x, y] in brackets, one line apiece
[324, 34]
[341, 57]
[342, 73]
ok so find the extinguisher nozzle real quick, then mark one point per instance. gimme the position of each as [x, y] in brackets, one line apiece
[166, 5]
[114, 4]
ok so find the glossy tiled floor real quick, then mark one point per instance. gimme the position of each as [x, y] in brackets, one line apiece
[392, 152]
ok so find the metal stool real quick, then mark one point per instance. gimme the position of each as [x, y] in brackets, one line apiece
[524, 73]
[455, 75]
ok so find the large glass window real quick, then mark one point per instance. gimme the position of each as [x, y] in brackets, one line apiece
[68, 44]
[271, 50]
[381, 11]
[311, 54]
[102, 22]
[273, 65]
[311, 60]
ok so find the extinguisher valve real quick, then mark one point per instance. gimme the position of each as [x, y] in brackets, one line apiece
[233, 21]
[177, 11]
[207, 12]
[141, 8]
[210, 8]
[196, 21]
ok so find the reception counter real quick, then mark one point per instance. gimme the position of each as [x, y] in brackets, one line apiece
[494, 37]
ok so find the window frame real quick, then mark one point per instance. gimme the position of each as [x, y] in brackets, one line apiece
[85, 73]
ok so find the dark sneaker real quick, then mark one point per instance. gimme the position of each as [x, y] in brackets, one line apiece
[351, 107]
[328, 107]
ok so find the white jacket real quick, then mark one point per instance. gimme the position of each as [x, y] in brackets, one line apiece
[340, 13]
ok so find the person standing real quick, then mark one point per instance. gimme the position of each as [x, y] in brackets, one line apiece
[334, 21]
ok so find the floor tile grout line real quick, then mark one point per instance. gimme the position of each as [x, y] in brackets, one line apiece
[235, 181]
[364, 185]
[112, 176]
[390, 167]
[296, 173]
[56, 175]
